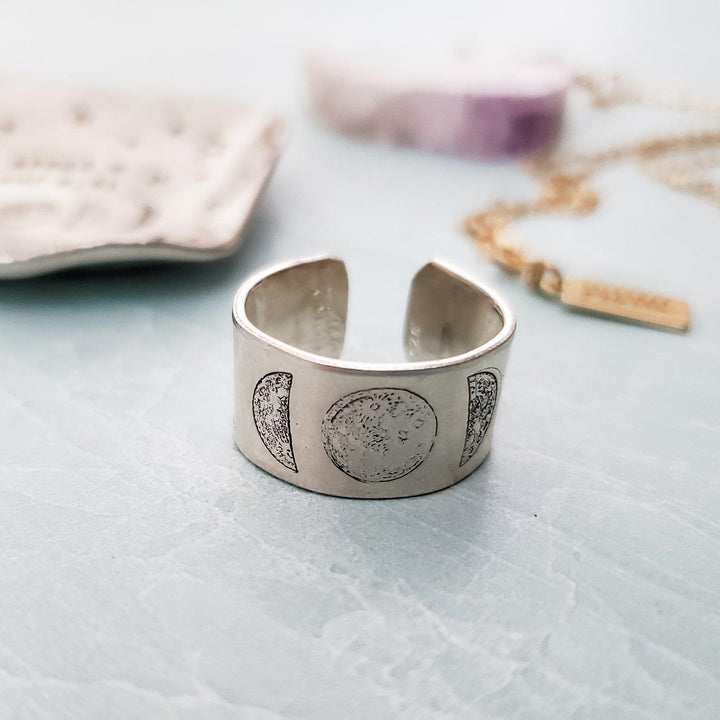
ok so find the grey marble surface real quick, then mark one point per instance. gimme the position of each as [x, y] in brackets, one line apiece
[147, 570]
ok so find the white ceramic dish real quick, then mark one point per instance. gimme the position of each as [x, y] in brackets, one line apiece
[92, 178]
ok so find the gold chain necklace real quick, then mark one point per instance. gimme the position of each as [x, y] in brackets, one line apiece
[564, 189]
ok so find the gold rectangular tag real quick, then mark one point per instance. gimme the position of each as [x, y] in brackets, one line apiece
[624, 304]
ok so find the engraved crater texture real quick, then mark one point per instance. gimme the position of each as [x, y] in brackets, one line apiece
[271, 411]
[482, 391]
[379, 434]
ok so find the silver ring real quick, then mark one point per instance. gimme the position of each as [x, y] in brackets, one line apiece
[366, 430]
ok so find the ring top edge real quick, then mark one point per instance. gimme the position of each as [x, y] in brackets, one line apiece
[313, 292]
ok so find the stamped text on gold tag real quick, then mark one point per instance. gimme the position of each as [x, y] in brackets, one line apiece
[625, 304]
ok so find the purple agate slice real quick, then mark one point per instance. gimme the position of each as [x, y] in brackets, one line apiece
[477, 106]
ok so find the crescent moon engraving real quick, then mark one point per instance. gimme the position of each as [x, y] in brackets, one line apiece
[379, 434]
[482, 392]
[271, 412]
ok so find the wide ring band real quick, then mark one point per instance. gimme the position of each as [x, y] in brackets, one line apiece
[366, 430]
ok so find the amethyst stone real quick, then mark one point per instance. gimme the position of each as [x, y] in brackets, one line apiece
[479, 107]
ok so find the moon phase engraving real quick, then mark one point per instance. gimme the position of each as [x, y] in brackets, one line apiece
[271, 411]
[482, 391]
[380, 434]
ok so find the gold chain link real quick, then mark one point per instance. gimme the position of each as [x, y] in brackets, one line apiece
[563, 179]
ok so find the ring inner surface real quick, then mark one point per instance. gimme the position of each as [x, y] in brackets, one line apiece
[447, 315]
[306, 306]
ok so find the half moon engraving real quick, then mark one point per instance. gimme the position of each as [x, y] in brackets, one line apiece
[482, 391]
[380, 434]
[271, 411]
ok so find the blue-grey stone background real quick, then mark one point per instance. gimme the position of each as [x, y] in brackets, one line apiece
[147, 570]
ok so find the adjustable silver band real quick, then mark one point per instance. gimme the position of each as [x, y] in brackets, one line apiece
[366, 430]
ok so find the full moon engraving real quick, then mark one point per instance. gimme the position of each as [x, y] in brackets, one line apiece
[271, 412]
[380, 434]
[482, 398]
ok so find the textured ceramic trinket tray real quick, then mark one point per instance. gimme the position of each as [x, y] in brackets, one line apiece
[88, 177]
